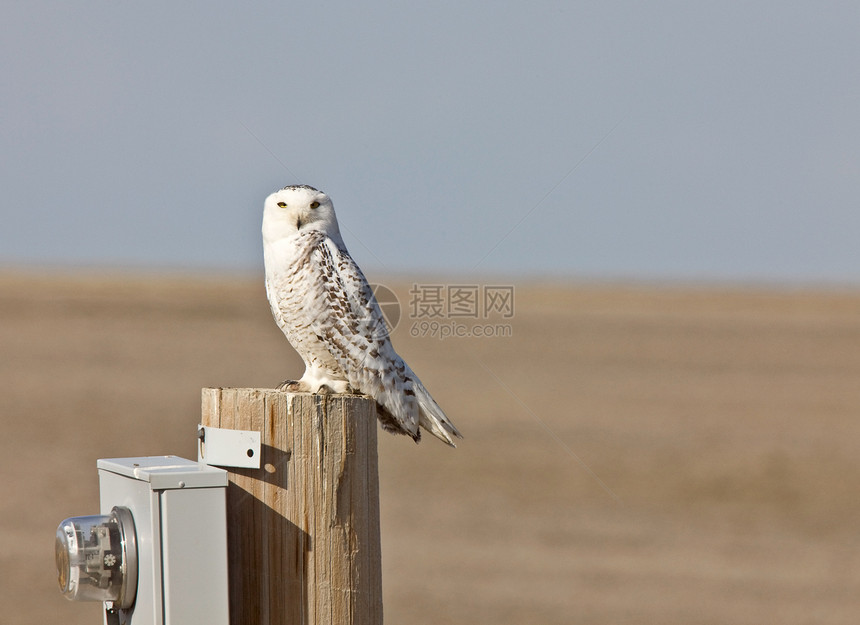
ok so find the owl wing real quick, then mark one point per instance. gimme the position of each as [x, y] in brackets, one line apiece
[346, 318]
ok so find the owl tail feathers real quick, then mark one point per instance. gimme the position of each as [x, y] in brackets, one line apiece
[432, 418]
[391, 424]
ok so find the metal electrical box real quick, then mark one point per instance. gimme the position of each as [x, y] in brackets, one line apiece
[158, 555]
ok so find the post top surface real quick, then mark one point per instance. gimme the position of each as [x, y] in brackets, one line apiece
[242, 389]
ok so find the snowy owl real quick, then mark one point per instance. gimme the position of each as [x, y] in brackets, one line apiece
[325, 307]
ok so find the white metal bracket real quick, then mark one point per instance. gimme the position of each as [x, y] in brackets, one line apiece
[228, 448]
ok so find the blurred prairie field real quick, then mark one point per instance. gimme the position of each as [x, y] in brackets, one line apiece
[632, 454]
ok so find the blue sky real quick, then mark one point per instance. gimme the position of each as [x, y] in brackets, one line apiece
[598, 140]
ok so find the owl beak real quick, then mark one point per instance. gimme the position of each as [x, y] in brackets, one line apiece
[299, 223]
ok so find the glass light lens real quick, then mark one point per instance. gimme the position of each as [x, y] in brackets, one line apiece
[96, 558]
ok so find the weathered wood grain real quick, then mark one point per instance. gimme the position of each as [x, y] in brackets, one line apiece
[303, 530]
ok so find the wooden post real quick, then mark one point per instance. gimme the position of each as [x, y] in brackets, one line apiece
[303, 530]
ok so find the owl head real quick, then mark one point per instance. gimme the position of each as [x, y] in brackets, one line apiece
[298, 208]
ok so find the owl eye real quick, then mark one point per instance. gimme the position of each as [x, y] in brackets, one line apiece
[282, 204]
[314, 204]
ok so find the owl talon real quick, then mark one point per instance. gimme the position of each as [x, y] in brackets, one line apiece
[325, 389]
[294, 386]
